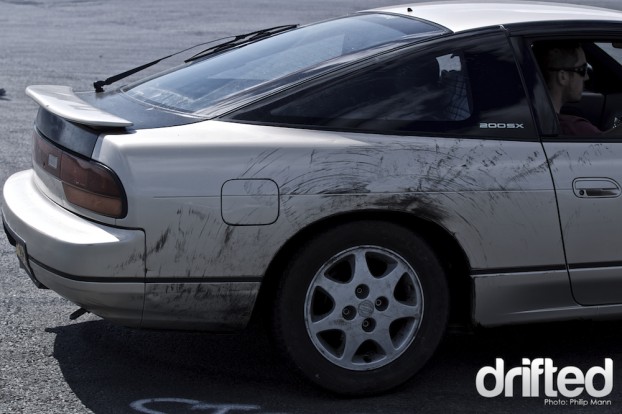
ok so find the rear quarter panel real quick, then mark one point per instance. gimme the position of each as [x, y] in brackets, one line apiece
[495, 197]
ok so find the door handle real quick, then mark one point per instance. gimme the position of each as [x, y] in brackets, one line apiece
[596, 188]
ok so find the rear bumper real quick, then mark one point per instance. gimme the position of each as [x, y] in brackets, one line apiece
[102, 268]
[98, 267]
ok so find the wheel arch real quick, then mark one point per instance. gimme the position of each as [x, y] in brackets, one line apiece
[450, 254]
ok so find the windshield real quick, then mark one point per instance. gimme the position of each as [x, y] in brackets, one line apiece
[203, 83]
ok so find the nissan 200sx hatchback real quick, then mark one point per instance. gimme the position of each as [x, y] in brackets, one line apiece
[358, 182]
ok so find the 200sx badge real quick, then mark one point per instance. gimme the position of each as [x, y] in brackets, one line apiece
[501, 125]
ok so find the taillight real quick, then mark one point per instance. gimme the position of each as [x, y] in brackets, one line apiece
[86, 183]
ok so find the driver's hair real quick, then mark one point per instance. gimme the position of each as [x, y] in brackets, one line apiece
[551, 54]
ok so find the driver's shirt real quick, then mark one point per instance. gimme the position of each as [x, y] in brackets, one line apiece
[575, 125]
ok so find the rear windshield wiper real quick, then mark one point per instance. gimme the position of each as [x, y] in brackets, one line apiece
[233, 42]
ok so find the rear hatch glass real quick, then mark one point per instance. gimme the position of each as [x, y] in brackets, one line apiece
[199, 85]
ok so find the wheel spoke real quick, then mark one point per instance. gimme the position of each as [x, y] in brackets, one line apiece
[329, 322]
[361, 271]
[396, 273]
[384, 341]
[352, 345]
[339, 293]
[398, 310]
[389, 281]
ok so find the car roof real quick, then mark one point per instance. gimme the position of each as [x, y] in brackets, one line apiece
[460, 15]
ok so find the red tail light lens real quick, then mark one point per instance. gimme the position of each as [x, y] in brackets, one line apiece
[92, 186]
[86, 183]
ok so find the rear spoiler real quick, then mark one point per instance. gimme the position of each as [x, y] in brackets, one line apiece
[62, 101]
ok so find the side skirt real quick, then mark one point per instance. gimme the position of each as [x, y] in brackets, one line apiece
[503, 298]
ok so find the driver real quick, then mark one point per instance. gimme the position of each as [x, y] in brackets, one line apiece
[565, 69]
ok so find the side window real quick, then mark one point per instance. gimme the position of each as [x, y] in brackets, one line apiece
[500, 105]
[584, 82]
[421, 93]
[446, 91]
[399, 95]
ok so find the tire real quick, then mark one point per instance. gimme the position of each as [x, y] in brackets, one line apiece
[361, 307]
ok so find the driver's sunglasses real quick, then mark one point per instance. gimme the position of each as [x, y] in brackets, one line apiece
[581, 70]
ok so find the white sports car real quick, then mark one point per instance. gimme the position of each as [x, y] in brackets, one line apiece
[358, 182]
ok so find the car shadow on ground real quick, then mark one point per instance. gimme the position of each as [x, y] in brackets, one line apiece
[115, 370]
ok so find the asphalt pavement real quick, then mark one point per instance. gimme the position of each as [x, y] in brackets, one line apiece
[49, 364]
